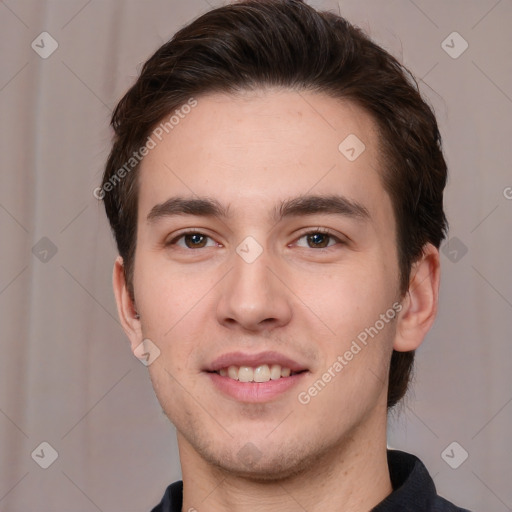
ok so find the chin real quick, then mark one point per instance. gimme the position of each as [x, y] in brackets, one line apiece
[271, 469]
[272, 463]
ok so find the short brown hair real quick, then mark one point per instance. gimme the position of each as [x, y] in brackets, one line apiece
[286, 43]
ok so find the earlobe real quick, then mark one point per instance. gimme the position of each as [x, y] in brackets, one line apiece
[130, 319]
[420, 301]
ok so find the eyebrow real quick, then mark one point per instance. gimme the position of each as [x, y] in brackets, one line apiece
[333, 204]
[200, 206]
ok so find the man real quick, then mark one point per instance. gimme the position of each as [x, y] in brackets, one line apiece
[275, 188]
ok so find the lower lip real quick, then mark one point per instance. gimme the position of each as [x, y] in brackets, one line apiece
[255, 391]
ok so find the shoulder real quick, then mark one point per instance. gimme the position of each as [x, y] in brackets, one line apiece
[442, 505]
[172, 500]
[413, 487]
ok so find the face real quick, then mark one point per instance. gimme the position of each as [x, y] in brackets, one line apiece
[265, 249]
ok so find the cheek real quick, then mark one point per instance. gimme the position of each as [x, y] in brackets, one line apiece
[348, 298]
[164, 293]
[349, 305]
[167, 301]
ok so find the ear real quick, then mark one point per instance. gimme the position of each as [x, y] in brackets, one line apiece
[125, 306]
[419, 305]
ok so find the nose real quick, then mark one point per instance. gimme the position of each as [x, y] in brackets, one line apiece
[254, 296]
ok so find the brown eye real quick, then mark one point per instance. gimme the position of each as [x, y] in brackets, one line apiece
[192, 240]
[318, 240]
[195, 240]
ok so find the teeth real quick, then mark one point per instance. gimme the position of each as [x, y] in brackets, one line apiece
[275, 372]
[245, 374]
[285, 372]
[233, 372]
[262, 373]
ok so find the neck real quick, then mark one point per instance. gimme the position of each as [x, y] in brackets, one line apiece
[351, 476]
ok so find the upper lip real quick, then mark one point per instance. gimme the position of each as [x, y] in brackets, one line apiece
[254, 360]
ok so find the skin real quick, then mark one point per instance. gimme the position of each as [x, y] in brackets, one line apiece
[251, 152]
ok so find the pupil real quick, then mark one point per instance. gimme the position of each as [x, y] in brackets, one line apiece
[195, 239]
[318, 239]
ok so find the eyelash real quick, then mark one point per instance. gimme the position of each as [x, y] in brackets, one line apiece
[322, 231]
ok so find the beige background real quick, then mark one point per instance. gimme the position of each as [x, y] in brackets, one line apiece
[67, 375]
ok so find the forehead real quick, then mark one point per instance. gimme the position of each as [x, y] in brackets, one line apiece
[247, 150]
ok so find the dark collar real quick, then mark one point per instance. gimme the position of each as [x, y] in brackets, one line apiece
[413, 488]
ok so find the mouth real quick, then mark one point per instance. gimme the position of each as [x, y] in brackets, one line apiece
[255, 377]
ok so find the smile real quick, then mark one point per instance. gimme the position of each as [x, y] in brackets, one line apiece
[261, 373]
[256, 377]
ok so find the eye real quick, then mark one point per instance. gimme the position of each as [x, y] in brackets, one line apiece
[192, 240]
[318, 239]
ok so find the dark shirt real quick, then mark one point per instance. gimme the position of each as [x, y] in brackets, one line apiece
[413, 489]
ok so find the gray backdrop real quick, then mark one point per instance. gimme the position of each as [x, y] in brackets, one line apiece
[68, 377]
